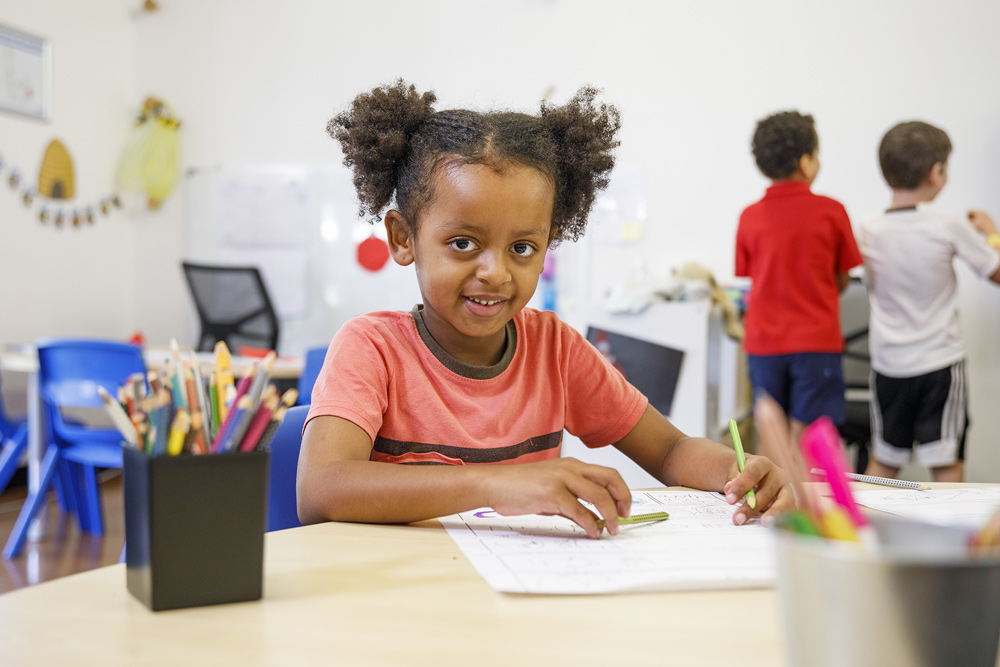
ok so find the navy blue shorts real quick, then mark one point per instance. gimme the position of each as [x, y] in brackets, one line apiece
[807, 385]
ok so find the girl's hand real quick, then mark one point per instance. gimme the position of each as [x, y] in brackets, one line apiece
[770, 483]
[556, 487]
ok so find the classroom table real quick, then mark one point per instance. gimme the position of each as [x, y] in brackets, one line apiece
[340, 593]
[24, 359]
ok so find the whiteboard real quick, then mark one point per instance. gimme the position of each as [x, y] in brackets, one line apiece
[299, 225]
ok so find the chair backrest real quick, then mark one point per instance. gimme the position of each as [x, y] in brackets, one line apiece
[71, 369]
[854, 325]
[310, 371]
[8, 425]
[282, 511]
[233, 306]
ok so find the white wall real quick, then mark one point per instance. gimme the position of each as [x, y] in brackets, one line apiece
[71, 281]
[255, 81]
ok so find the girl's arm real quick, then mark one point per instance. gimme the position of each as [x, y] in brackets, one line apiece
[337, 481]
[678, 460]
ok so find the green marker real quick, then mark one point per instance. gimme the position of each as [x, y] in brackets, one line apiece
[741, 460]
[638, 518]
[799, 522]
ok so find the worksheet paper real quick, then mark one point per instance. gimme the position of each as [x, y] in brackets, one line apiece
[966, 508]
[697, 548]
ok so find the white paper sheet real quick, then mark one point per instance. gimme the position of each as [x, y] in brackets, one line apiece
[968, 508]
[698, 547]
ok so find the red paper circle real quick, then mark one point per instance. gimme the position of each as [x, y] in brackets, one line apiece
[373, 253]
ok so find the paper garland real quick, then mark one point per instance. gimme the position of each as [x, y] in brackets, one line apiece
[52, 210]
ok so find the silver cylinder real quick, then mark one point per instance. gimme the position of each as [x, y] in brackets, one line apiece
[917, 599]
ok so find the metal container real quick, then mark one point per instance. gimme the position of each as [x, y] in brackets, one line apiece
[917, 598]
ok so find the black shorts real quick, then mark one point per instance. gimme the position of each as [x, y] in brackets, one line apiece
[925, 415]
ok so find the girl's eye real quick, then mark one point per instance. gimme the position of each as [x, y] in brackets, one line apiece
[463, 245]
[523, 249]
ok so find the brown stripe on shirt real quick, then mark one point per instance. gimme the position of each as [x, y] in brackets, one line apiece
[532, 445]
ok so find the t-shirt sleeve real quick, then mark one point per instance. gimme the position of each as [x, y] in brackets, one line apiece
[972, 248]
[849, 255]
[602, 406]
[354, 380]
[742, 269]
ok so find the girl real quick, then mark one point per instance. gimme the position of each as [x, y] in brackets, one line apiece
[462, 402]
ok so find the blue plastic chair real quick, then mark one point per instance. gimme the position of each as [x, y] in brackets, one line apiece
[13, 442]
[310, 371]
[281, 508]
[70, 370]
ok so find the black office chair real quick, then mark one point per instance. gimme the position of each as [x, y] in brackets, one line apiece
[856, 429]
[233, 306]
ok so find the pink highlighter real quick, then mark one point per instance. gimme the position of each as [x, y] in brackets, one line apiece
[821, 445]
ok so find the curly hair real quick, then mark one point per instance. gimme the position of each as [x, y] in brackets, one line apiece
[780, 141]
[394, 141]
[909, 151]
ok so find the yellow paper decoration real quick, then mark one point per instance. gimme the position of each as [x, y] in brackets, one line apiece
[55, 180]
[151, 163]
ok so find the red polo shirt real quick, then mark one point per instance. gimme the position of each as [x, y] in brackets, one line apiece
[792, 244]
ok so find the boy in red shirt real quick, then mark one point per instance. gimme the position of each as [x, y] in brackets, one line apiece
[797, 248]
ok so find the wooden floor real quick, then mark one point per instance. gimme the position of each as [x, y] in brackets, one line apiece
[62, 549]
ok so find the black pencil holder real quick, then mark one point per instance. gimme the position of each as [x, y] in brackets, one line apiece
[194, 527]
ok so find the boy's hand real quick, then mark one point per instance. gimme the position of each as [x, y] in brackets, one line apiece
[983, 222]
[556, 487]
[770, 483]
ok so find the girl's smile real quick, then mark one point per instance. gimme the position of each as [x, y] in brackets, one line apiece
[478, 250]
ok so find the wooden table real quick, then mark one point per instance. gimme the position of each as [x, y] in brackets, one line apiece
[341, 593]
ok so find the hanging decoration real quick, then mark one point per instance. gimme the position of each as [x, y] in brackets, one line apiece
[151, 162]
[373, 253]
[55, 178]
[50, 197]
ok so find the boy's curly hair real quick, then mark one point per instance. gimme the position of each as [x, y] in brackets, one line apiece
[395, 141]
[780, 140]
[909, 151]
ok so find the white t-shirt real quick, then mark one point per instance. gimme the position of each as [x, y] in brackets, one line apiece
[912, 288]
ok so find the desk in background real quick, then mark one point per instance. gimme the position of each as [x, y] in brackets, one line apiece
[24, 359]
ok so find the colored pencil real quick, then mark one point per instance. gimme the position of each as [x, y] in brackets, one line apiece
[206, 407]
[260, 421]
[264, 443]
[178, 432]
[120, 418]
[238, 419]
[884, 481]
[226, 428]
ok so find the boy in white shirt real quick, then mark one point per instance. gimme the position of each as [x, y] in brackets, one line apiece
[919, 403]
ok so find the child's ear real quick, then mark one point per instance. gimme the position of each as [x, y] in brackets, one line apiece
[399, 237]
[937, 174]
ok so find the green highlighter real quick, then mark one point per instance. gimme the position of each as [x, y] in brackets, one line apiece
[741, 459]
[638, 518]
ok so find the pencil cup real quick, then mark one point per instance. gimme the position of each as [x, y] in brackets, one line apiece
[916, 599]
[194, 527]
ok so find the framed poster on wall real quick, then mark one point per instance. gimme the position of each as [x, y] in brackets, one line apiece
[25, 74]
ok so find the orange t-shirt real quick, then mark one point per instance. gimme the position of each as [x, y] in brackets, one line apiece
[385, 373]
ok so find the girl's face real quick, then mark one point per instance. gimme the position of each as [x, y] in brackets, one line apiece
[478, 251]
